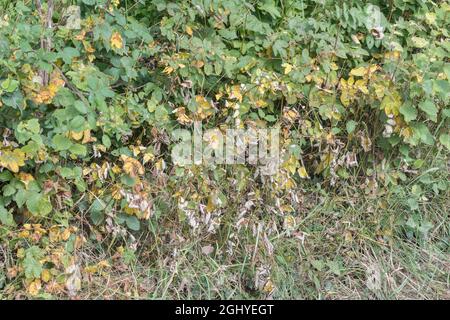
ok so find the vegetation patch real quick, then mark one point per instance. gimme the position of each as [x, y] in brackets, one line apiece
[93, 94]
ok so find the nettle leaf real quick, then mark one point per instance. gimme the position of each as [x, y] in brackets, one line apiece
[27, 130]
[408, 111]
[6, 217]
[270, 7]
[68, 54]
[430, 109]
[423, 133]
[31, 264]
[38, 204]
[279, 48]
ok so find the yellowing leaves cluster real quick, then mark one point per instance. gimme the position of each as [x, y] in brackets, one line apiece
[181, 116]
[204, 107]
[391, 103]
[116, 41]
[350, 88]
[12, 159]
[132, 167]
[45, 94]
[85, 135]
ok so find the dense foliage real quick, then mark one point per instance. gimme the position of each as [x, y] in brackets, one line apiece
[360, 91]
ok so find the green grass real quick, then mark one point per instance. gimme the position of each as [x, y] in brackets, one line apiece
[346, 244]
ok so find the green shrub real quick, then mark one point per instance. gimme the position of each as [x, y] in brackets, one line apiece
[87, 114]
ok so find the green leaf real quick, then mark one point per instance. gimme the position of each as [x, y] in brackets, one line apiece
[270, 118]
[6, 218]
[81, 107]
[78, 149]
[77, 123]
[106, 141]
[31, 264]
[61, 142]
[419, 42]
[38, 204]
[68, 54]
[270, 7]
[279, 48]
[422, 132]
[412, 203]
[10, 85]
[133, 223]
[8, 190]
[97, 211]
[430, 109]
[408, 111]
[351, 126]
[20, 197]
[445, 140]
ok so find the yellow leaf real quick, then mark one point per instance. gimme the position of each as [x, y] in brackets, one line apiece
[392, 55]
[87, 137]
[287, 67]
[291, 164]
[391, 104]
[189, 30]
[204, 108]
[46, 275]
[168, 70]
[345, 99]
[116, 41]
[302, 173]
[268, 287]
[26, 178]
[364, 71]
[289, 222]
[12, 160]
[148, 156]
[350, 81]
[379, 90]
[291, 115]
[236, 93]
[358, 72]
[181, 116]
[261, 103]
[76, 135]
[198, 64]
[132, 166]
[34, 287]
[361, 86]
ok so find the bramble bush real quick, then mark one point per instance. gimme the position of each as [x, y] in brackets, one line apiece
[87, 112]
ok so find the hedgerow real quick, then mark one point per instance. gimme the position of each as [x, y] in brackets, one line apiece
[87, 113]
